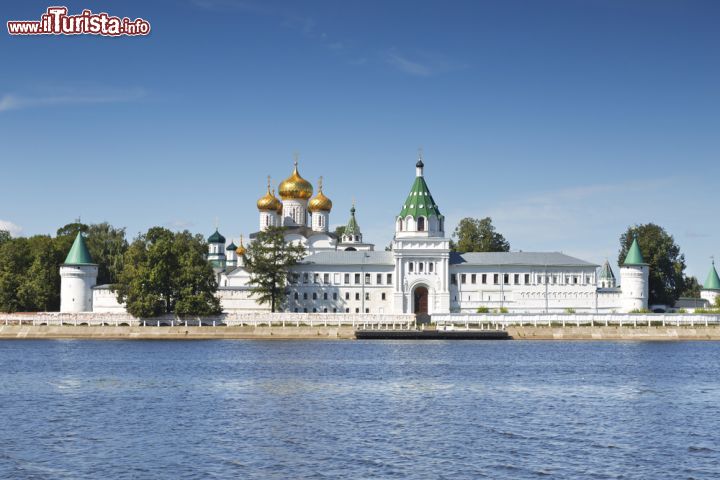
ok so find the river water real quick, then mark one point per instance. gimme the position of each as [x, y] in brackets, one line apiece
[359, 409]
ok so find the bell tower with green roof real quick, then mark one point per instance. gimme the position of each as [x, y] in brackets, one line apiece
[421, 252]
[216, 251]
[711, 287]
[634, 279]
[78, 276]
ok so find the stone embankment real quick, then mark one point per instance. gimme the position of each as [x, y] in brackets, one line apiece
[655, 333]
[174, 333]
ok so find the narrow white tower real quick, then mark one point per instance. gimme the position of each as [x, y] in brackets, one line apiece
[634, 281]
[422, 252]
[78, 275]
[295, 192]
[240, 252]
[216, 251]
[606, 278]
[270, 209]
[230, 255]
[320, 207]
[711, 287]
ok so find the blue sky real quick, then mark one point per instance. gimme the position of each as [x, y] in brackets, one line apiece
[566, 121]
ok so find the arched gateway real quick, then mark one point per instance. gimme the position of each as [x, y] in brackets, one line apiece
[420, 300]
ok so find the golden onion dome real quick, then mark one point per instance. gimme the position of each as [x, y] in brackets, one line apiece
[295, 187]
[320, 203]
[241, 249]
[269, 202]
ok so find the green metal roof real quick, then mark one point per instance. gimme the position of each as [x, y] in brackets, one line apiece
[634, 256]
[232, 246]
[216, 237]
[419, 202]
[606, 272]
[713, 281]
[352, 227]
[79, 253]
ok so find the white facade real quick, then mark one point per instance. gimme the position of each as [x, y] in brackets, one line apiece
[634, 282]
[76, 284]
[419, 275]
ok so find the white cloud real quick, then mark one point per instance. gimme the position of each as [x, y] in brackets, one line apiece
[406, 65]
[179, 224]
[14, 229]
[73, 96]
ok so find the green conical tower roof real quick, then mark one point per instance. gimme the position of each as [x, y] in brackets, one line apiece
[634, 256]
[713, 281]
[420, 202]
[352, 227]
[79, 253]
[606, 272]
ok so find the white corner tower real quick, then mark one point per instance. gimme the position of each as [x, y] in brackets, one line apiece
[634, 280]
[421, 251]
[711, 287]
[78, 275]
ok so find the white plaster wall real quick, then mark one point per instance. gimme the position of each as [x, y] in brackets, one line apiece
[76, 282]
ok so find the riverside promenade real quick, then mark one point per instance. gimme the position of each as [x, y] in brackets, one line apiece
[283, 326]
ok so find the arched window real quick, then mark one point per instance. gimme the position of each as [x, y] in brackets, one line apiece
[399, 225]
[421, 224]
[411, 266]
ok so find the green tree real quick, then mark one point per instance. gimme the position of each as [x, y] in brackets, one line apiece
[691, 288]
[107, 245]
[662, 254]
[167, 273]
[15, 260]
[4, 236]
[269, 259]
[39, 288]
[340, 231]
[478, 235]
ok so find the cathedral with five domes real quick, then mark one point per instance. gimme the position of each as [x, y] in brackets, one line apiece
[419, 274]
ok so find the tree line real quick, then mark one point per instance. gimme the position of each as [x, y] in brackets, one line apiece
[159, 272]
[164, 272]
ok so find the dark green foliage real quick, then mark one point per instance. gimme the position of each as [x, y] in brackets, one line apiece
[691, 288]
[478, 235]
[167, 272]
[107, 246]
[268, 259]
[662, 254]
[30, 267]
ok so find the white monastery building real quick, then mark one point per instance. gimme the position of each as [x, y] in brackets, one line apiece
[418, 275]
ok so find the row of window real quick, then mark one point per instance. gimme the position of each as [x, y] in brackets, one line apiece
[324, 278]
[325, 296]
[517, 279]
[334, 310]
[420, 267]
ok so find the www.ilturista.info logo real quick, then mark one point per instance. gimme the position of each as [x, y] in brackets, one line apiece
[56, 21]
